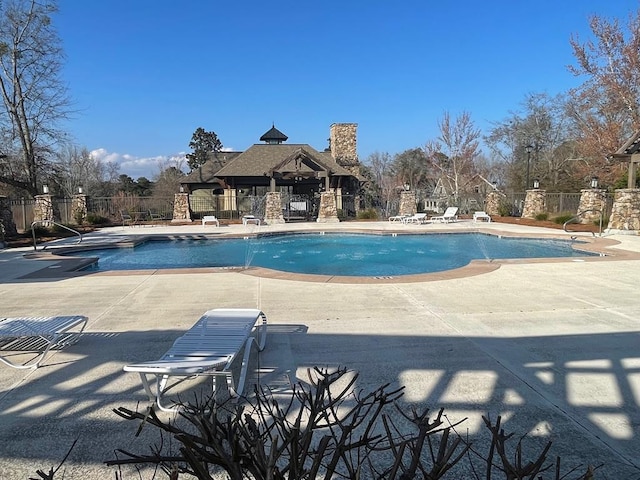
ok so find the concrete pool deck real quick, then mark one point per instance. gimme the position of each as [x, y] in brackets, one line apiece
[553, 347]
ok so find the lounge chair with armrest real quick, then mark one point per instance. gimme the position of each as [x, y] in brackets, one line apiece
[449, 215]
[219, 339]
[37, 335]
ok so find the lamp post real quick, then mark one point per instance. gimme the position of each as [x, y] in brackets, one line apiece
[536, 184]
[594, 182]
[528, 148]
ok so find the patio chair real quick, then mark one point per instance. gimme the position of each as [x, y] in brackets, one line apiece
[155, 217]
[126, 218]
[212, 347]
[449, 215]
[37, 335]
[416, 218]
[481, 216]
[210, 219]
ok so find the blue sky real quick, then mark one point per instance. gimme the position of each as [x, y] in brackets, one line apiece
[145, 74]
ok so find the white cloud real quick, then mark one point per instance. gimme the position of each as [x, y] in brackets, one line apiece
[137, 167]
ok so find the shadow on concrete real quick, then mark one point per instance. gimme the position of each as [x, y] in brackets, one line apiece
[587, 401]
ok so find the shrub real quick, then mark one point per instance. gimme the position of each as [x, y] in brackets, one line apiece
[541, 217]
[504, 209]
[95, 219]
[330, 429]
[565, 217]
[368, 214]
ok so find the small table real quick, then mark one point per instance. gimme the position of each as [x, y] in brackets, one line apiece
[247, 219]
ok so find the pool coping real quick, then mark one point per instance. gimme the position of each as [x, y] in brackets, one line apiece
[61, 263]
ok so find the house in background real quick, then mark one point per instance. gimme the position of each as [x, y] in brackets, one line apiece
[233, 181]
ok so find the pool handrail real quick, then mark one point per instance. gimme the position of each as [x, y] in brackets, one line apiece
[577, 217]
[33, 231]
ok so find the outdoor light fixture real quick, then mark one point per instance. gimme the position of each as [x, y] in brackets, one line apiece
[45, 189]
[528, 148]
[407, 187]
[181, 189]
[594, 182]
[495, 185]
[80, 190]
[536, 183]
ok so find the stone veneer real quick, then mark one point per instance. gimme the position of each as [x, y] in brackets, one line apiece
[593, 204]
[273, 209]
[492, 203]
[79, 208]
[625, 213]
[407, 203]
[343, 143]
[43, 209]
[534, 203]
[6, 218]
[328, 212]
[181, 208]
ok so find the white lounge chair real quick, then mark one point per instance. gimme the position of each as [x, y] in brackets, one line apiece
[210, 218]
[37, 335]
[398, 218]
[481, 216]
[211, 347]
[449, 215]
[416, 218]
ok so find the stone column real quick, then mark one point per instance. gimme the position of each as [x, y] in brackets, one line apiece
[43, 209]
[273, 209]
[534, 203]
[181, 208]
[592, 201]
[328, 212]
[79, 208]
[492, 203]
[625, 213]
[407, 203]
[6, 219]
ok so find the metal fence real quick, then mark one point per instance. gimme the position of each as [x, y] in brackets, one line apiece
[294, 207]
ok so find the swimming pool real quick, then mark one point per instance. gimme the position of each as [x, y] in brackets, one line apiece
[331, 254]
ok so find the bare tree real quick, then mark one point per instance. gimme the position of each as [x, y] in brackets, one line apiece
[537, 142]
[33, 95]
[453, 153]
[606, 107]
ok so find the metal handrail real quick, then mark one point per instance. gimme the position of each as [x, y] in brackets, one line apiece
[577, 217]
[33, 231]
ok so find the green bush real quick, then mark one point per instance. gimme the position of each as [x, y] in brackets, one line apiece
[541, 217]
[95, 219]
[565, 217]
[368, 214]
[504, 209]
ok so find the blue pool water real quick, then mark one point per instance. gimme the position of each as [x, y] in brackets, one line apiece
[331, 254]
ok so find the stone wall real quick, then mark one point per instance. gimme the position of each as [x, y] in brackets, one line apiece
[343, 142]
[181, 208]
[273, 209]
[328, 212]
[407, 203]
[534, 203]
[43, 209]
[79, 208]
[625, 213]
[492, 203]
[592, 202]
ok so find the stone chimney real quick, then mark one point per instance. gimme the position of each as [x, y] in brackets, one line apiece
[342, 141]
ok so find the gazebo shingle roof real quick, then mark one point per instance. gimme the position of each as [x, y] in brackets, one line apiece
[259, 160]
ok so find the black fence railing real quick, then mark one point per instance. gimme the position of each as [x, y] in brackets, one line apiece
[294, 207]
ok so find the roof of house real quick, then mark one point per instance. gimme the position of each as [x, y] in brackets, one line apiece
[273, 136]
[262, 159]
[207, 172]
[631, 147]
